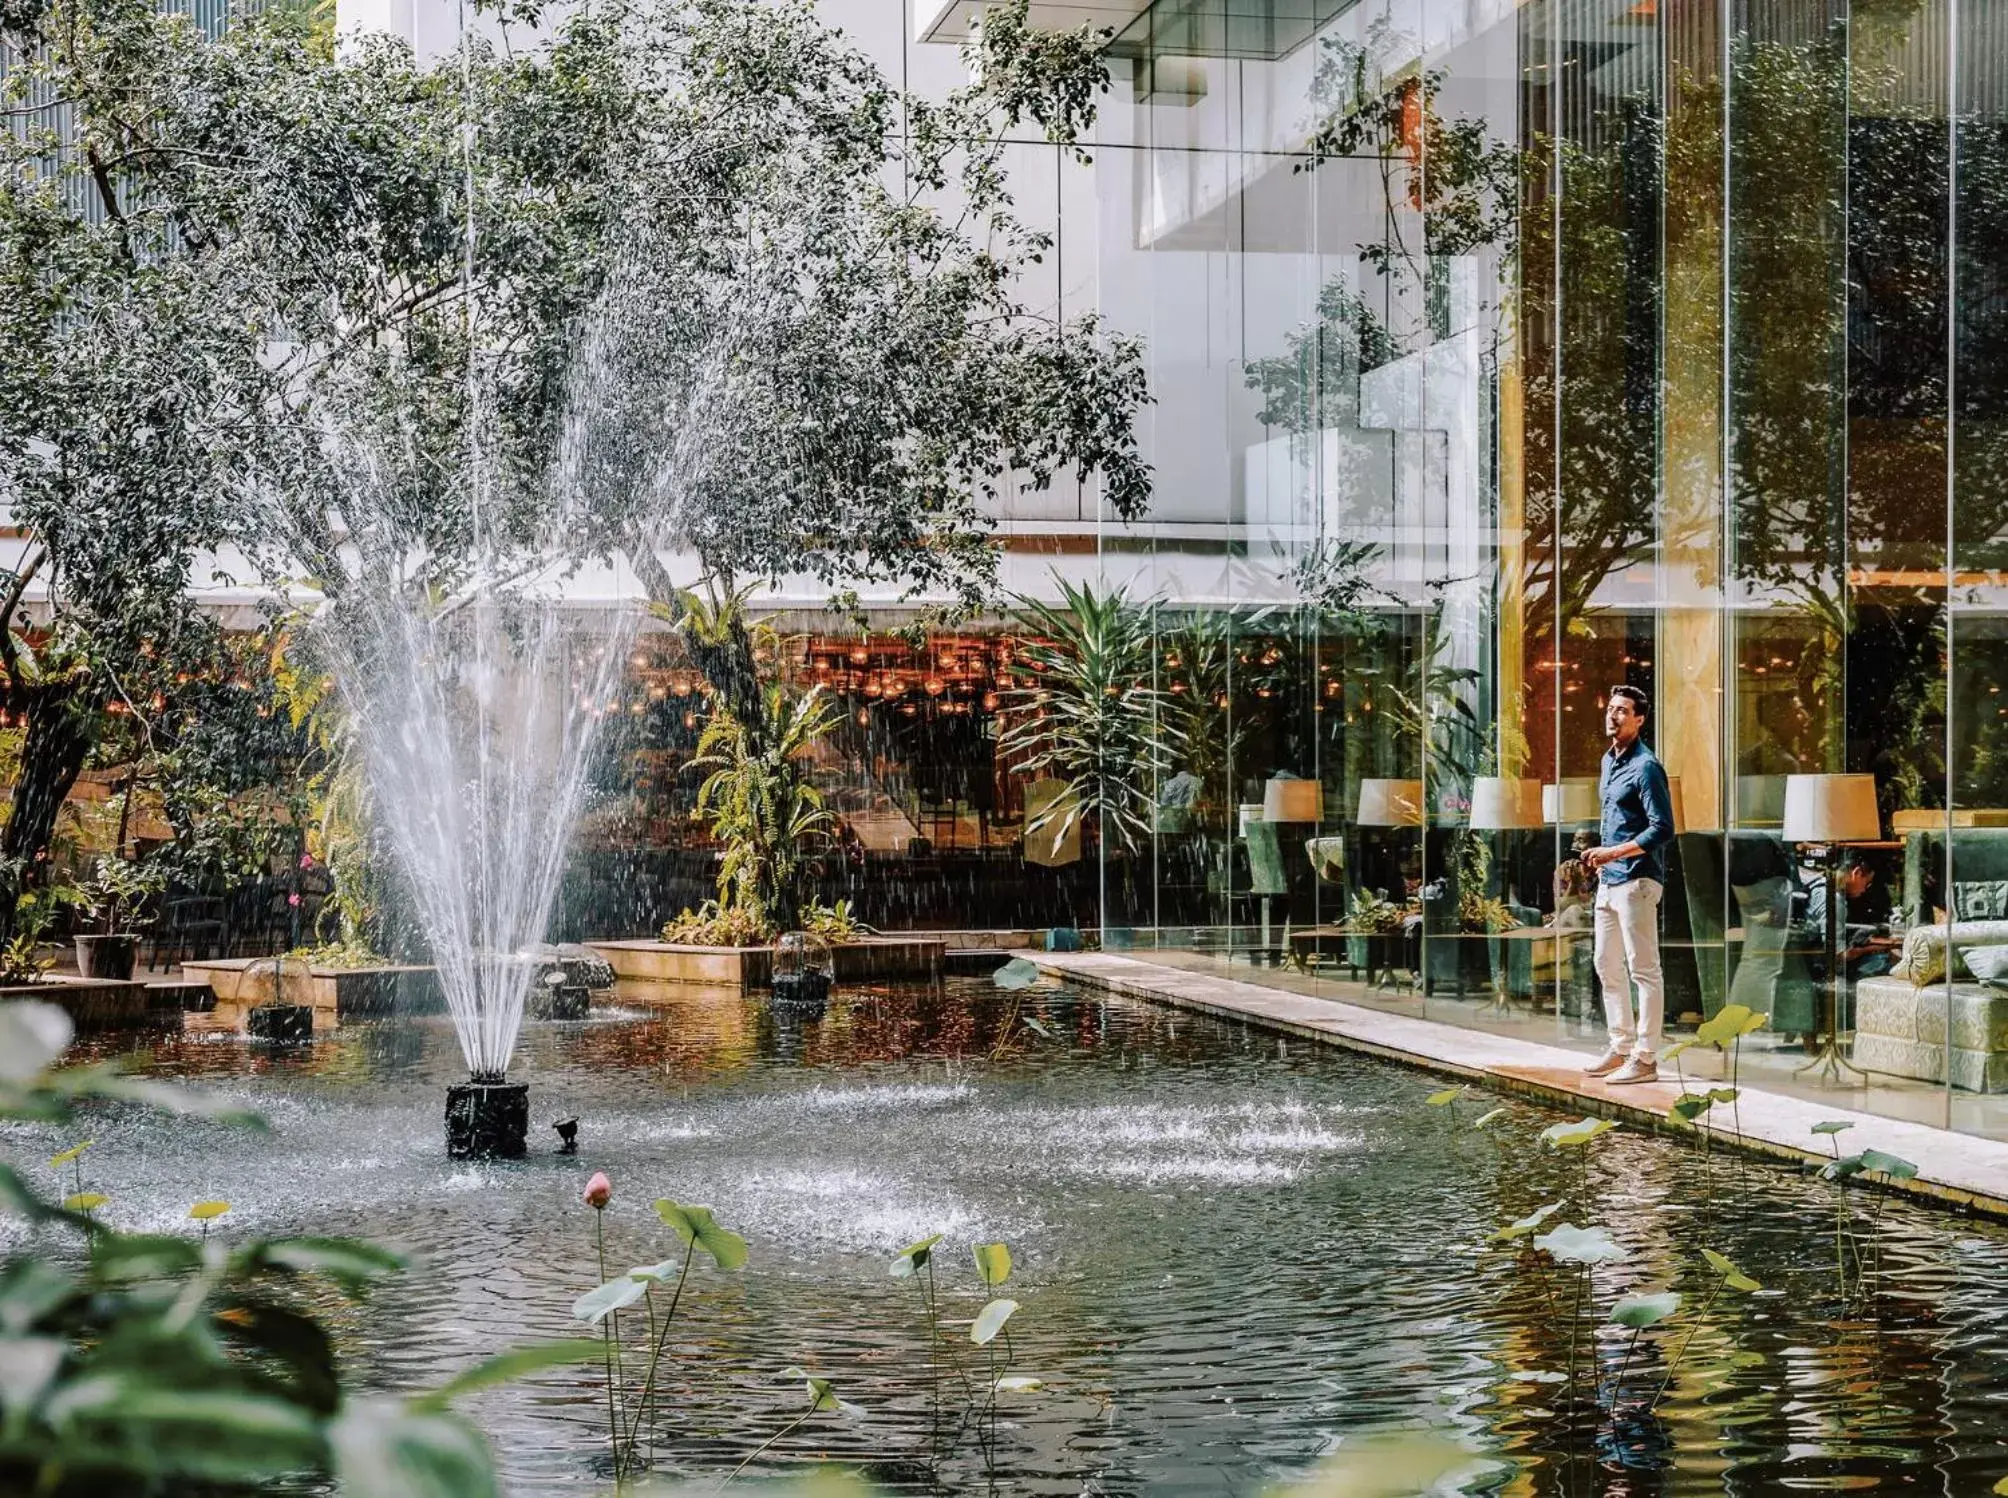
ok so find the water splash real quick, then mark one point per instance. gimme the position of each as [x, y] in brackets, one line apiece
[477, 716]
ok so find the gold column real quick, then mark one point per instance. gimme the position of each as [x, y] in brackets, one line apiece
[1689, 671]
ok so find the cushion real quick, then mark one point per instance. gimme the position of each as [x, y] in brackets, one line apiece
[1980, 899]
[1988, 964]
[1923, 958]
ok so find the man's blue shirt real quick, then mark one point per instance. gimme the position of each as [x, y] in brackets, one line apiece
[1638, 807]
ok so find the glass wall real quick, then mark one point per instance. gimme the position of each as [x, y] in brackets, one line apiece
[1506, 353]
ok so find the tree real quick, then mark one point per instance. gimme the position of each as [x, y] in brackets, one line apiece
[813, 357]
[177, 211]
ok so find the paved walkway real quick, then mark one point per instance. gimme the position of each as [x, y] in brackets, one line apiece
[1956, 1170]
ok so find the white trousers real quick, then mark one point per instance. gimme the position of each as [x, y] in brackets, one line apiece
[1627, 947]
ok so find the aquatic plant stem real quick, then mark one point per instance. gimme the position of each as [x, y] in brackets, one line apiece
[758, 1451]
[655, 1354]
[607, 1341]
[1699, 1316]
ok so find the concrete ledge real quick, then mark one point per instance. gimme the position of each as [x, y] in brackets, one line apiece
[1959, 1171]
[92, 1003]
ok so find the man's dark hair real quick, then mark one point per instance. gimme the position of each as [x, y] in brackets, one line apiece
[1636, 698]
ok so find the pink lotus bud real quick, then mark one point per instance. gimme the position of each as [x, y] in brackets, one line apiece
[306, 860]
[294, 898]
[599, 1191]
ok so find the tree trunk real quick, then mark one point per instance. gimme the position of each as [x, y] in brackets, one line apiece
[62, 727]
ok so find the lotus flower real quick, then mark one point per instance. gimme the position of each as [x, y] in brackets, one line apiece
[599, 1191]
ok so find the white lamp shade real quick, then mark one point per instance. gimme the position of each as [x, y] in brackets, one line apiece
[1286, 799]
[1831, 809]
[1498, 802]
[1571, 801]
[1390, 803]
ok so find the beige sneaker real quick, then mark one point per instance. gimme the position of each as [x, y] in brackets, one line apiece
[1638, 1069]
[1605, 1064]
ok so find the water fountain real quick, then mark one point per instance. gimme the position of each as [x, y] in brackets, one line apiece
[477, 717]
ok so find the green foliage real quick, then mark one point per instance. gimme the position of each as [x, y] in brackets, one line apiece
[836, 922]
[1094, 716]
[173, 1364]
[761, 804]
[117, 885]
[716, 925]
[341, 956]
[1370, 915]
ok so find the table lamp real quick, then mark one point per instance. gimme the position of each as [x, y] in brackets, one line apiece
[1571, 801]
[1827, 812]
[1390, 803]
[1499, 803]
[1287, 799]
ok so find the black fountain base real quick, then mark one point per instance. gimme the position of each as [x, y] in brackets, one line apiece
[801, 990]
[486, 1119]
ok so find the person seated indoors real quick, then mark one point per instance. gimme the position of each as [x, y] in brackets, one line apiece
[1868, 951]
[1575, 885]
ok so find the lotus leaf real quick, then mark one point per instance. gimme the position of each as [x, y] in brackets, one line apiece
[1570, 1135]
[1017, 973]
[993, 1262]
[727, 1249]
[1525, 1225]
[1569, 1244]
[913, 1258]
[208, 1211]
[1484, 1119]
[596, 1305]
[1439, 1099]
[1832, 1126]
[1732, 1277]
[1894, 1166]
[85, 1201]
[990, 1321]
[1641, 1311]
[57, 1162]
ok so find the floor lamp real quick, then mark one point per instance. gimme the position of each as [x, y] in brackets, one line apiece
[1824, 813]
[1387, 803]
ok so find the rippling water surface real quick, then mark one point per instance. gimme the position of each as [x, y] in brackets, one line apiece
[1233, 1253]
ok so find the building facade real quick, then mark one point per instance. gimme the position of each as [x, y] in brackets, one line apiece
[1501, 354]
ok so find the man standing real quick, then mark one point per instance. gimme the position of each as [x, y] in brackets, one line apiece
[1631, 871]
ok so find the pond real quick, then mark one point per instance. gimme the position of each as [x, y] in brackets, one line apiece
[1233, 1254]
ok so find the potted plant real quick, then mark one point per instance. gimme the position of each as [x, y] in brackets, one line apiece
[115, 888]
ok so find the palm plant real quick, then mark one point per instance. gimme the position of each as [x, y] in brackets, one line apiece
[1095, 718]
[761, 803]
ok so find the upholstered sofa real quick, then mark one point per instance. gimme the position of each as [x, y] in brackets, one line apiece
[1908, 1029]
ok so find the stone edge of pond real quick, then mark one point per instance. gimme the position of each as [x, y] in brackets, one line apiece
[1957, 1172]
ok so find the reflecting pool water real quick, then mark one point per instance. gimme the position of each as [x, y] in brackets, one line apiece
[1234, 1253]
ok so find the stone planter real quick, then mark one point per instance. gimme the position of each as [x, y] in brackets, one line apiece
[242, 984]
[870, 959]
